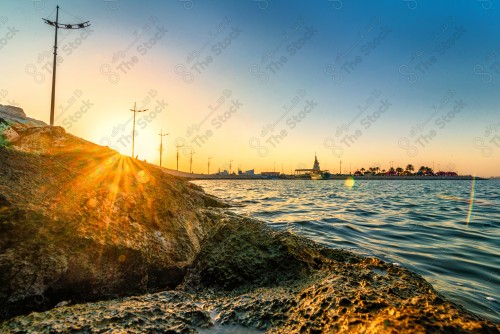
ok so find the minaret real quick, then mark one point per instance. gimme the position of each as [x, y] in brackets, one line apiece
[316, 163]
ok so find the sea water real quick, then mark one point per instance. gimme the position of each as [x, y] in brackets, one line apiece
[447, 231]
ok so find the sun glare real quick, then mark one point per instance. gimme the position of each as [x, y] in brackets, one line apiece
[349, 182]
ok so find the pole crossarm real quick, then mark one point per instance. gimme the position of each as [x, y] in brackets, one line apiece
[161, 134]
[133, 128]
[66, 25]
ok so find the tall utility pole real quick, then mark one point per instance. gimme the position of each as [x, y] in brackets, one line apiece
[191, 161]
[161, 142]
[57, 26]
[178, 155]
[340, 167]
[209, 158]
[133, 128]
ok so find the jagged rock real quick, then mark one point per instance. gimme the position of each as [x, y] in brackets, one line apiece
[12, 111]
[323, 291]
[17, 119]
[165, 312]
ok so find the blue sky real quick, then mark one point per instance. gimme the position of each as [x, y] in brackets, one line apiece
[365, 82]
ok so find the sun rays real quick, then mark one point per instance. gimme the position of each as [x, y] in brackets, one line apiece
[103, 191]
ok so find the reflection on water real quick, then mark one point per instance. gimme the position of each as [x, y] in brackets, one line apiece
[428, 226]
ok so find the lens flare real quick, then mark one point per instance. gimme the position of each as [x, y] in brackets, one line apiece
[142, 177]
[471, 200]
[349, 182]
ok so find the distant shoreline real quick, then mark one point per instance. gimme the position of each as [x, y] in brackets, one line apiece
[192, 176]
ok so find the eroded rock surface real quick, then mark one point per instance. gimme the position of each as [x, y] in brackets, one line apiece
[237, 285]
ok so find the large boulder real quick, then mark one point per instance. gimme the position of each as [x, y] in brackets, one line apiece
[81, 222]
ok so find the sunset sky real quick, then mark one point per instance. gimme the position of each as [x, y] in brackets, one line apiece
[267, 83]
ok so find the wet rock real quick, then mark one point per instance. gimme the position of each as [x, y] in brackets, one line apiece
[330, 292]
[243, 253]
[317, 290]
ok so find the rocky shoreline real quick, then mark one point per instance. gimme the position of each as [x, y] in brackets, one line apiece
[250, 279]
[93, 242]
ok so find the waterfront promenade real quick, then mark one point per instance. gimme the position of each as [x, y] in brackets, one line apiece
[195, 176]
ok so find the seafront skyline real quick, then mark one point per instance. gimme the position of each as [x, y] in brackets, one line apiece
[265, 85]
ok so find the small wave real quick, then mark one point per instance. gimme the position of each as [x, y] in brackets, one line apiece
[250, 201]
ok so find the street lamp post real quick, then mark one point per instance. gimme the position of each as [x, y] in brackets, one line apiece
[161, 142]
[178, 155]
[133, 128]
[57, 26]
[191, 162]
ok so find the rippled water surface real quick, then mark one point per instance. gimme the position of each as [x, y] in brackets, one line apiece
[428, 226]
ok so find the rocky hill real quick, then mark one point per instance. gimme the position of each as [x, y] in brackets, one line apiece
[81, 222]
[105, 243]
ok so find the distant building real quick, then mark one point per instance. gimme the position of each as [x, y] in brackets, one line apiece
[270, 174]
[247, 172]
[315, 169]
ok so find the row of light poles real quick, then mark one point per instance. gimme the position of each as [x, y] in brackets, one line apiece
[86, 24]
[161, 134]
